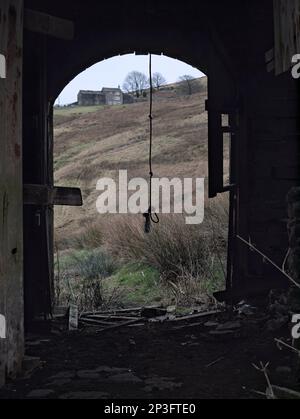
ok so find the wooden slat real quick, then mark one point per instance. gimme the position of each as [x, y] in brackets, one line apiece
[48, 25]
[71, 197]
[42, 195]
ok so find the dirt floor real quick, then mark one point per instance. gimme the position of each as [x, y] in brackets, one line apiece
[155, 361]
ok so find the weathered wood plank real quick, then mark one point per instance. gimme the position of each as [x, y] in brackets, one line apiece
[67, 196]
[11, 208]
[42, 195]
[48, 25]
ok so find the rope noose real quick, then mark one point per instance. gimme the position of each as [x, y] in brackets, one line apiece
[150, 217]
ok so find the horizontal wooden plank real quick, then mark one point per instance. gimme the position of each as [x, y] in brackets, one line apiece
[71, 197]
[42, 195]
[48, 25]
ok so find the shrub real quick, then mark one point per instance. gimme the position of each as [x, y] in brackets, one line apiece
[94, 264]
[175, 249]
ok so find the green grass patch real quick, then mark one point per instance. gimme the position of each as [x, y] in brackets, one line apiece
[139, 285]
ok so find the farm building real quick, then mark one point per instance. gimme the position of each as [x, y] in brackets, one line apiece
[245, 49]
[91, 98]
[107, 96]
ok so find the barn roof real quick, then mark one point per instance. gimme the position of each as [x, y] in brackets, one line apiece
[90, 92]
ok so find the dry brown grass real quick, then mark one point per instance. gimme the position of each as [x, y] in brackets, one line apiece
[98, 144]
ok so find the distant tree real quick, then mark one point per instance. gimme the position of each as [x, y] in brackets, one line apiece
[187, 84]
[137, 83]
[158, 80]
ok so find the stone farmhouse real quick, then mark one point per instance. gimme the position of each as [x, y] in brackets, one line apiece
[107, 96]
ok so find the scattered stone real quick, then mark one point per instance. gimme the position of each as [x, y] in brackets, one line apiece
[246, 310]
[171, 309]
[40, 394]
[84, 395]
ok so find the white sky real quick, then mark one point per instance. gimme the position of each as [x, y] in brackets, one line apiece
[112, 73]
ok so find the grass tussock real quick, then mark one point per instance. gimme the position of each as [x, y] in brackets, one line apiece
[176, 250]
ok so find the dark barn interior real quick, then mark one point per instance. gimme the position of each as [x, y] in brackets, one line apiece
[245, 48]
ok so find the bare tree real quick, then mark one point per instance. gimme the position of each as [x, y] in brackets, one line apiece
[137, 83]
[188, 83]
[158, 80]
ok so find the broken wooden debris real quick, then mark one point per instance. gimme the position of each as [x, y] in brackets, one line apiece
[42, 195]
[110, 320]
[217, 361]
[198, 316]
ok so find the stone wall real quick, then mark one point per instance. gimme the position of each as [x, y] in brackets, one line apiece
[91, 99]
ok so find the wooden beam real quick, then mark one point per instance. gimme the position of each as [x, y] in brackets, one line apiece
[11, 225]
[48, 25]
[71, 197]
[42, 195]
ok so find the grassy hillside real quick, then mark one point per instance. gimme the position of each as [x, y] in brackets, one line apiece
[95, 142]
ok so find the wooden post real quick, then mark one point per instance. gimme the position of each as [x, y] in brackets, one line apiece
[11, 232]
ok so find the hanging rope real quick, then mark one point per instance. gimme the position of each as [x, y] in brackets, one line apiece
[150, 216]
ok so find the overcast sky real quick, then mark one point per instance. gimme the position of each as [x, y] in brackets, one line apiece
[112, 73]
